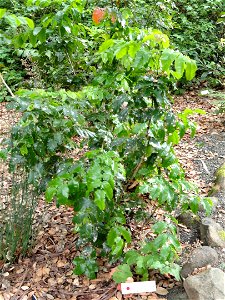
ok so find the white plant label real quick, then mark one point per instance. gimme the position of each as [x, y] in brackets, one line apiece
[138, 287]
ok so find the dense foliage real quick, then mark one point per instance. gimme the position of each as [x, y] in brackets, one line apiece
[197, 32]
[98, 134]
[193, 26]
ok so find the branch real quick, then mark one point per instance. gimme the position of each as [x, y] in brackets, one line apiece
[71, 64]
[6, 85]
[139, 165]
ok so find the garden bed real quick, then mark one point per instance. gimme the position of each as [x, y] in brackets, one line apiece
[47, 270]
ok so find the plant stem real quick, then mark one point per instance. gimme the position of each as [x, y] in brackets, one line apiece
[139, 165]
[137, 168]
[71, 64]
[6, 85]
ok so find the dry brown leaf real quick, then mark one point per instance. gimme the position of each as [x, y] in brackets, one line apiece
[61, 263]
[45, 271]
[119, 295]
[39, 272]
[51, 282]
[70, 280]
[76, 281]
[95, 297]
[37, 278]
[161, 291]
[113, 270]
[7, 296]
[102, 277]
[20, 271]
[113, 298]
[52, 231]
[129, 280]
[92, 286]
[55, 260]
[60, 280]
[171, 285]
[69, 273]
[165, 283]
[153, 296]
[86, 282]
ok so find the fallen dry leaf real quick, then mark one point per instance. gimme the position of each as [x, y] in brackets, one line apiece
[61, 263]
[129, 280]
[51, 282]
[153, 296]
[60, 280]
[8, 296]
[113, 270]
[161, 291]
[92, 286]
[119, 295]
[20, 271]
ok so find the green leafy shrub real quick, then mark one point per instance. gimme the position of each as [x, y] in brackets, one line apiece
[43, 136]
[11, 66]
[159, 253]
[11, 69]
[56, 36]
[106, 146]
[197, 32]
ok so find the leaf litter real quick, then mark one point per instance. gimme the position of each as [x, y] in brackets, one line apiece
[47, 270]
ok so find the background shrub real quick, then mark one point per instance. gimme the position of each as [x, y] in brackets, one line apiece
[196, 31]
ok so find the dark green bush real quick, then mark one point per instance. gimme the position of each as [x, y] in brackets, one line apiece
[197, 33]
[106, 146]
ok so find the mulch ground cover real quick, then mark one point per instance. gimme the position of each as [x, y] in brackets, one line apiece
[47, 270]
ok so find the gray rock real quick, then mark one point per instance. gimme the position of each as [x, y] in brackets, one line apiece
[177, 294]
[212, 234]
[200, 257]
[207, 285]
[189, 219]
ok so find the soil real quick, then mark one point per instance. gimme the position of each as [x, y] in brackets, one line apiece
[47, 270]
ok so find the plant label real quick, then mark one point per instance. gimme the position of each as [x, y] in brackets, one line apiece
[138, 287]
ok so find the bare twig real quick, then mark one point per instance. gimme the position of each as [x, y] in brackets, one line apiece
[6, 85]
[108, 294]
[142, 160]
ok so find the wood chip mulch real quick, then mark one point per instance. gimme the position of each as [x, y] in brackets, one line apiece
[47, 271]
